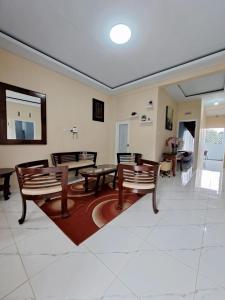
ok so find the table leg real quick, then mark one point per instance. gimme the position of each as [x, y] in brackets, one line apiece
[6, 187]
[103, 180]
[97, 185]
[174, 166]
[86, 184]
[114, 180]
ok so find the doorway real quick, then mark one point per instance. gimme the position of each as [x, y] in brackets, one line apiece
[186, 132]
[214, 144]
[122, 137]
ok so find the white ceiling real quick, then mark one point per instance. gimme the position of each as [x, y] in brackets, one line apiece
[198, 87]
[76, 33]
[210, 108]
[209, 88]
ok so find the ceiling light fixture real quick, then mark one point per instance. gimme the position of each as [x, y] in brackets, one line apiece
[120, 34]
[216, 103]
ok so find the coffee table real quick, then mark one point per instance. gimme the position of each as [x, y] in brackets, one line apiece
[98, 172]
[6, 173]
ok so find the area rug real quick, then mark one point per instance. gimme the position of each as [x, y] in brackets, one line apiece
[88, 213]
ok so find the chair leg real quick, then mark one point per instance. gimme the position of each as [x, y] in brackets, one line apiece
[24, 207]
[155, 209]
[64, 209]
[120, 200]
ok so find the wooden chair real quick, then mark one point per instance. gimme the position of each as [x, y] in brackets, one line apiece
[141, 179]
[128, 158]
[39, 181]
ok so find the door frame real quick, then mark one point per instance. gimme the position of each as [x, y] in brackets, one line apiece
[117, 136]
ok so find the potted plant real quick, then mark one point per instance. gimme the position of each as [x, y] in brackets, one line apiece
[174, 143]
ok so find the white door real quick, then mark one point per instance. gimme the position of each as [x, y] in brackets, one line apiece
[122, 137]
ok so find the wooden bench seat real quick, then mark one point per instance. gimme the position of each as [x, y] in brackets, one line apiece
[74, 160]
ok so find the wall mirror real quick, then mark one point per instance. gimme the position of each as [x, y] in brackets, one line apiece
[22, 116]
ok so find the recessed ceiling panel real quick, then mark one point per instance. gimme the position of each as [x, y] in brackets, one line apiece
[164, 33]
[203, 85]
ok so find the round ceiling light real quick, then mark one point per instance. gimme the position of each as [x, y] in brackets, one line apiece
[120, 34]
[216, 103]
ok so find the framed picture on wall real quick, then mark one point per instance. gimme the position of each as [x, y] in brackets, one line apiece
[169, 118]
[97, 110]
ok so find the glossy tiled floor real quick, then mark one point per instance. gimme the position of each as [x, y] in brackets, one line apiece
[175, 255]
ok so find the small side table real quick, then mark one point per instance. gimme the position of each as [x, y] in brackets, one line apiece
[173, 158]
[6, 173]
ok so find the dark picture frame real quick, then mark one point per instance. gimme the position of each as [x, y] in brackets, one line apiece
[97, 110]
[169, 118]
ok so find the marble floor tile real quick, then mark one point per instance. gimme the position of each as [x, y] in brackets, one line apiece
[212, 264]
[177, 254]
[169, 297]
[118, 291]
[158, 274]
[35, 219]
[6, 238]
[207, 289]
[176, 237]
[43, 248]
[137, 218]
[210, 294]
[9, 250]
[214, 235]
[141, 231]
[215, 215]
[109, 240]
[216, 203]
[14, 204]
[48, 241]
[189, 258]
[12, 273]
[77, 276]
[178, 204]
[3, 221]
[183, 217]
[114, 246]
[23, 292]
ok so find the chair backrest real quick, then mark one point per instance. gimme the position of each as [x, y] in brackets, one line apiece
[87, 155]
[40, 177]
[64, 157]
[155, 166]
[34, 164]
[145, 173]
[128, 157]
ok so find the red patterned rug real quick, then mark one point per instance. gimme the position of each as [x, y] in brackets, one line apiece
[88, 213]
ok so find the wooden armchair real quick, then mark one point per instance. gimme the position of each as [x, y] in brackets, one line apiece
[141, 179]
[128, 158]
[38, 181]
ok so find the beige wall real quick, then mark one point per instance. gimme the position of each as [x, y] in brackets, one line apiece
[69, 103]
[189, 110]
[142, 136]
[215, 122]
[162, 134]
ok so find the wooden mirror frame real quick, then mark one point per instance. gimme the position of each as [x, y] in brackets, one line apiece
[3, 116]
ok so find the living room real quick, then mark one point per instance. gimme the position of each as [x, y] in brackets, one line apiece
[137, 254]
